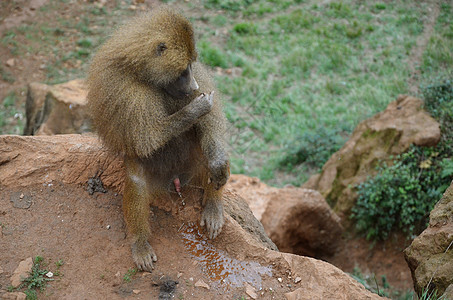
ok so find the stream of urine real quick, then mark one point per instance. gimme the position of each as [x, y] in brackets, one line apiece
[223, 270]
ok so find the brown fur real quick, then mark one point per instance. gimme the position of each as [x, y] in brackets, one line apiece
[161, 137]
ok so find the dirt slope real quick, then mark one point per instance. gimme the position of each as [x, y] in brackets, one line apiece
[58, 220]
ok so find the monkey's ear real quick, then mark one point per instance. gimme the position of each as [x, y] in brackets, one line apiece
[161, 48]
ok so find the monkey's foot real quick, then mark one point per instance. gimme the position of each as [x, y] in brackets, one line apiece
[143, 255]
[212, 217]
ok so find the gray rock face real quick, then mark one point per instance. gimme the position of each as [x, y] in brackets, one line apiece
[297, 220]
[430, 256]
[391, 132]
[57, 109]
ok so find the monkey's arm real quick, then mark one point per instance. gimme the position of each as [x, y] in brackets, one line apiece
[158, 128]
[211, 129]
[135, 122]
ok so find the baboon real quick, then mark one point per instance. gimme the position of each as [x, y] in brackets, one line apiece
[151, 101]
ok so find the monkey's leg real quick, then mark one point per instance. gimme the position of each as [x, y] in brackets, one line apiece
[136, 200]
[212, 215]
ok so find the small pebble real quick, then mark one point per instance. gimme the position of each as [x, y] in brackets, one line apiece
[11, 62]
[250, 290]
[201, 283]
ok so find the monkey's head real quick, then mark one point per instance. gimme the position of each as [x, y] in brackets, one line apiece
[159, 48]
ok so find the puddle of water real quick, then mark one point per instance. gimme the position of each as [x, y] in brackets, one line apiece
[223, 270]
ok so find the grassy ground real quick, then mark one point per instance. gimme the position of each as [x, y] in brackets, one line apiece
[297, 76]
[312, 71]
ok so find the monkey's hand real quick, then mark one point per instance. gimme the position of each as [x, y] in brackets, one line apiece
[212, 217]
[202, 105]
[143, 255]
[220, 172]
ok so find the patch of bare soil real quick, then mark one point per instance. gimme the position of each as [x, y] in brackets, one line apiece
[416, 55]
[381, 259]
[63, 222]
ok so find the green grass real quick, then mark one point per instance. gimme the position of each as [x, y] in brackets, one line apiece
[129, 274]
[11, 114]
[68, 42]
[438, 55]
[380, 285]
[309, 67]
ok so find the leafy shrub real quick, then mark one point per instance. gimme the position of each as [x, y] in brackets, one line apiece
[401, 195]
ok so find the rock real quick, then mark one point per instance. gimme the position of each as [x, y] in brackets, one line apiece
[312, 274]
[75, 159]
[11, 62]
[253, 190]
[250, 290]
[448, 292]
[430, 255]
[388, 133]
[136, 292]
[117, 280]
[14, 296]
[28, 161]
[58, 109]
[238, 209]
[20, 200]
[297, 220]
[71, 159]
[201, 283]
[36, 95]
[21, 272]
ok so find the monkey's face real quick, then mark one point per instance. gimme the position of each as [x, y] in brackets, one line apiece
[167, 62]
[184, 85]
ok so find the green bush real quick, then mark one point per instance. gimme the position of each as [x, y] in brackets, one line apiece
[401, 195]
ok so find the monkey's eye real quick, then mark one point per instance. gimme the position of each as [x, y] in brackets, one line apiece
[161, 48]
